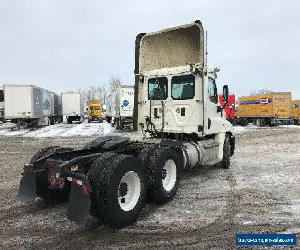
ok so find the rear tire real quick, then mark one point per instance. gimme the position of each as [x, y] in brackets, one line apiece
[145, 155]
[42, 184]
[164, 172]
[121, 189]
[98, 164]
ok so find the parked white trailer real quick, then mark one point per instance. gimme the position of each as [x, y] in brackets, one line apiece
[120, 105]
[27, 104]
[56, 109]
[72, 106]
[1, 104]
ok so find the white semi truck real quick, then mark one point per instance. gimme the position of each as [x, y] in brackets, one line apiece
[120, 105]
[28, 104]
[72, 106]
[176, 109]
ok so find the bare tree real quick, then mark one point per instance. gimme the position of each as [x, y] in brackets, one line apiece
[114, 83]
[100, 91]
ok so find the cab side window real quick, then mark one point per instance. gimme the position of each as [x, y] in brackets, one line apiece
[212, 91]
[183, 87]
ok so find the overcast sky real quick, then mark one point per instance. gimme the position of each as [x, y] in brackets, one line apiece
[64, 45]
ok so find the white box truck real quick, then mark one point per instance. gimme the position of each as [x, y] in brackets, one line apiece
[27, 104]
[72, 106]
[120, 104]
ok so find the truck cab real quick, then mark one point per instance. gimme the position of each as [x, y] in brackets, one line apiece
[177, 96]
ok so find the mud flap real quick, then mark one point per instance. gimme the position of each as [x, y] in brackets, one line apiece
[79, 204]
[27, 189]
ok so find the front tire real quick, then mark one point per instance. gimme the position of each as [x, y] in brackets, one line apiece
[226, 153]
[164, 172]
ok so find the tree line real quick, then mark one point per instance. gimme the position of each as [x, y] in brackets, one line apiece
[100, 91]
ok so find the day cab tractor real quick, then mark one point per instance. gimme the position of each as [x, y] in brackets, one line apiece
[177, 111]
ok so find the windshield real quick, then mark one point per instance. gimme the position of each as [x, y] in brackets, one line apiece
[95, 108]
[158, 88]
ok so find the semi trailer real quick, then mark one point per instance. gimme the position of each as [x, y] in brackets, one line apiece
[120, 104]
[56, 115]
[176, 109]
[27, 104]
[94, 110]
[72, 106]
[266, 109]
[295, 112]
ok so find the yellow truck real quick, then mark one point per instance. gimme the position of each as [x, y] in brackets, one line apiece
[95, 111]
[265, 109]
[295, 111]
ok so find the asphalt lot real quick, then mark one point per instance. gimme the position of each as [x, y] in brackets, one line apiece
[260, 193]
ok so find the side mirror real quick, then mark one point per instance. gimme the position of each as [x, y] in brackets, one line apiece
[225, 94]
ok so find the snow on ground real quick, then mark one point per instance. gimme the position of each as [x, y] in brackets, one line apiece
[93, 129]
[251, 127]
[289, 126]
[59, 130]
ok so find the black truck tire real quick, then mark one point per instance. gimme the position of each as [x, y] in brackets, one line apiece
[226, 153]
[69, 120]
[164, 172]
[145, 155]
[92, 177]
[121, 189]
[42, 189]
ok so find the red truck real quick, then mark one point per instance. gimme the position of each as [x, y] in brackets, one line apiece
[229, 107]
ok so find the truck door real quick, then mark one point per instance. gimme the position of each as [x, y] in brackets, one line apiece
[213, 121]
[157, 96]
[173, 104]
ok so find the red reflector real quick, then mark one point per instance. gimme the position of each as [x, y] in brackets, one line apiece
[61, 182]
[74, 180]
[52, 180]
[85, 189]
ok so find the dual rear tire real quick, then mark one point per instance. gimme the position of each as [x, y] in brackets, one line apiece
[120, 184]
[164, 170]
[119, 187]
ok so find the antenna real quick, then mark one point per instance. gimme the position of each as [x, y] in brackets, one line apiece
[206, 52]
